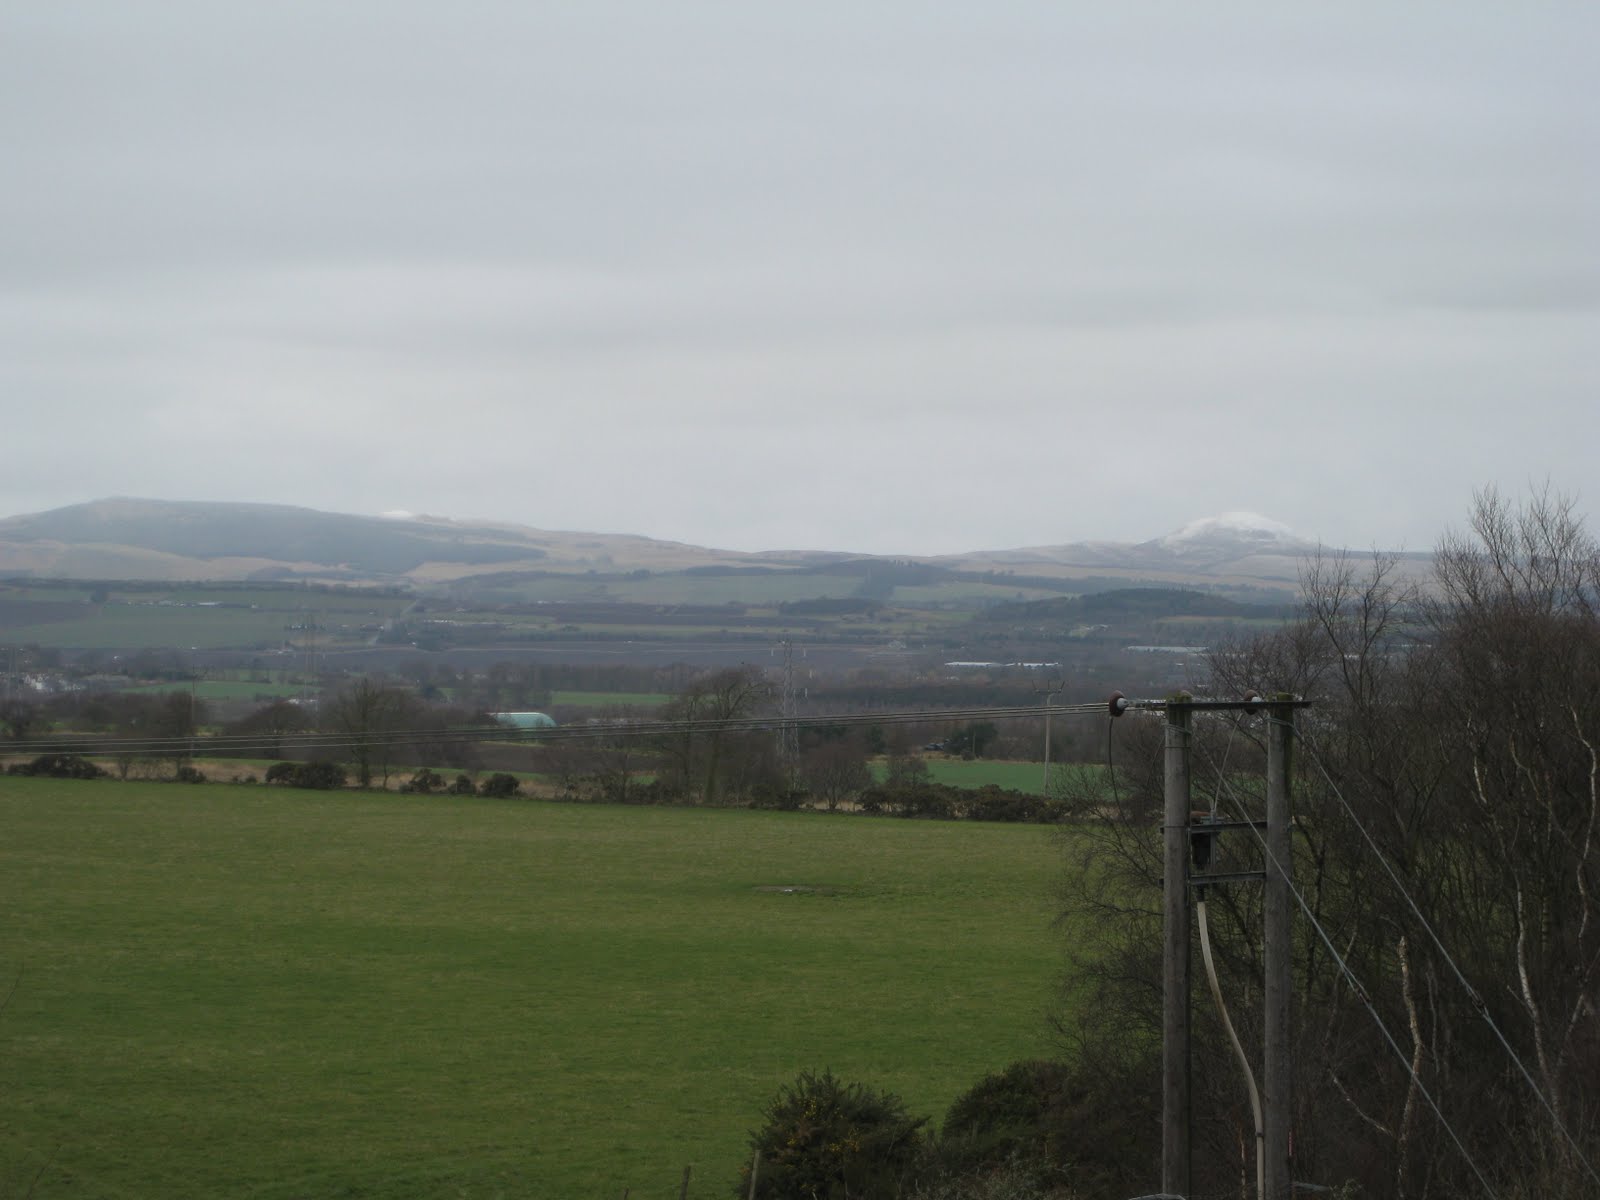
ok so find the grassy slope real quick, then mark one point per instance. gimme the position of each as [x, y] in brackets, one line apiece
[977, 772]
[242, 992]
[607, 699]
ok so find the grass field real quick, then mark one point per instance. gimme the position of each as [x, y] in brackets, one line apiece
[604, 699]
[1018, 776]
[241, 992]
[227, 689]
[123, 627]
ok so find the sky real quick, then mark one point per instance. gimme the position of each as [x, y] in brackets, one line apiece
[887, 277]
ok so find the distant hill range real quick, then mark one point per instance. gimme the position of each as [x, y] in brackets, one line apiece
[195, 540]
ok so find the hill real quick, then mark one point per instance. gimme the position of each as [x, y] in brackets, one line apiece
[173, 541]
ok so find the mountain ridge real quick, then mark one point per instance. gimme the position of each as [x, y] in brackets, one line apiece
[136, 538]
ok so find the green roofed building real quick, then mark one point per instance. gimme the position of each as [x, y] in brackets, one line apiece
[525, 720]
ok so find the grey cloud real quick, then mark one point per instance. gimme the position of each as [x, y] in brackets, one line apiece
[873, 276]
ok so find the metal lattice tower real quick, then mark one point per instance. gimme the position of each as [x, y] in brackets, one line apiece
[789, 735]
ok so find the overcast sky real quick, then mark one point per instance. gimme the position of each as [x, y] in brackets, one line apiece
[890, 277]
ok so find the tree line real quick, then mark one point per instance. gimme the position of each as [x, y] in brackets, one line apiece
[1447, 852]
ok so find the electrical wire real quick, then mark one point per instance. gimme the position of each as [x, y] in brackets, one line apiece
[561, 733]
[1476, 1000]
[1216, 991]
[1111, 770]
[1238, 1046]
[1360, 991]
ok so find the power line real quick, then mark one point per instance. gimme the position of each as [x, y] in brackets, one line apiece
[1360, 991]
[562, 733]
[1472, 995]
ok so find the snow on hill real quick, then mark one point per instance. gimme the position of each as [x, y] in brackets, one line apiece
[1236, 527]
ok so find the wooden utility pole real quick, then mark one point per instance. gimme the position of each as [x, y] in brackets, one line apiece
[1175, 954]
[1279, 949]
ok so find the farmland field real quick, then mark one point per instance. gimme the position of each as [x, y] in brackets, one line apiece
[977, 772]
[228, 689]
[603, 699]
[235, 991]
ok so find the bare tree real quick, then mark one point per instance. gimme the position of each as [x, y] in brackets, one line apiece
[1448, 851]
[367, 711]
[835, 770]
[698, 756]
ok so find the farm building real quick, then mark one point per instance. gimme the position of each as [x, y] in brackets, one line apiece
[525, 720]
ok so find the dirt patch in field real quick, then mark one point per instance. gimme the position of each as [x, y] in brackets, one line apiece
[789, 889]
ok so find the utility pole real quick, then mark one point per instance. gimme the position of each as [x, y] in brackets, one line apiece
[1175, 1113]
[1180, 838]
[1279, 967]
[789, 732]
[1051, 688]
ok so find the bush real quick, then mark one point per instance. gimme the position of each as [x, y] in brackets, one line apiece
[188, 774]
[1023, 1180]
[1046, 1115]
[58, 766]
[424, 781]
[463, 787]
[499, 785]
[1005, 1116]
[874, 800]
[325, 776]
[824, 1139]
[992, 803]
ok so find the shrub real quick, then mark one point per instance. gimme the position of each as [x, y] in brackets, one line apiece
[1004, 1116]
[321, 775]
[58, 766]
[324, 775]
[424, 781]
[875, 799]
[499, 785]
[1050, 1115]
[824, 1139]
[992, 803]
[935, 800]
[188, 774]
[462, 787]
[1020, 1180]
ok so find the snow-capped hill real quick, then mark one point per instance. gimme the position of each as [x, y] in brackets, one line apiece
[1238, 540]
[1232, 527]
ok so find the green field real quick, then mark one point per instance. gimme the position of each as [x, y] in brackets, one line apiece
[235, 991]
[977, 772]
[605, 699]
[227, 689]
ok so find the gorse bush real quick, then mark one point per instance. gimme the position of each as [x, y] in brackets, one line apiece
[58, 766]
[825, 1139]
[1047, 1119]
[320, 775]
[499, 785]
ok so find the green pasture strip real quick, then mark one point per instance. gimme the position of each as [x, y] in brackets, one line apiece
[248, 992]
[226, 689]
[285, 600]
[119, 627]
[976, 773]
[603, 699]
[1241, 623]
[738, 589]
[962, 592]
